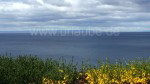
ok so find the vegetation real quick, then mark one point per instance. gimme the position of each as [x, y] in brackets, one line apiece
[33, 70]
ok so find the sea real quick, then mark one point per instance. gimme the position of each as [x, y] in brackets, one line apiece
[124, 46]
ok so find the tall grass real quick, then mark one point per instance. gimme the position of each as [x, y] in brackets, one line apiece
[30, 69]
[33, 70]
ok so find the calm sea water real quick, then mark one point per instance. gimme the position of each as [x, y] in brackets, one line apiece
[124, 46]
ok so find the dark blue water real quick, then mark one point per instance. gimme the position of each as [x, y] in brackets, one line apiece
[124, 46]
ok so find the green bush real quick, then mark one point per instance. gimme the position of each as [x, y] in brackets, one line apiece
[30, 69]
[33, 70]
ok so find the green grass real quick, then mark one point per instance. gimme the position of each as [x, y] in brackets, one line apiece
[31, 69]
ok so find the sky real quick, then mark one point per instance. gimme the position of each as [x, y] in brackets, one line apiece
[122, 15]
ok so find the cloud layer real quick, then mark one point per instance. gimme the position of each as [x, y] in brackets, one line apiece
[122, 14]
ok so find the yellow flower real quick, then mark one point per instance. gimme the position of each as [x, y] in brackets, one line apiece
[61, 71]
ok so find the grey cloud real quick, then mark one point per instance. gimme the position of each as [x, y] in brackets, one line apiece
[95, 13]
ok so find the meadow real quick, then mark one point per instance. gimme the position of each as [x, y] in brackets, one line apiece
[33, 70]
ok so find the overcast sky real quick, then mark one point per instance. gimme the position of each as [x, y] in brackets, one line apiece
[125, 15]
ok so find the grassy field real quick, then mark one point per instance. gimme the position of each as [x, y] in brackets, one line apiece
[33, 70]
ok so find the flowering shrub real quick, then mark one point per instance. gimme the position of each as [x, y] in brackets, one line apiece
[32, 70]
[134, 73]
